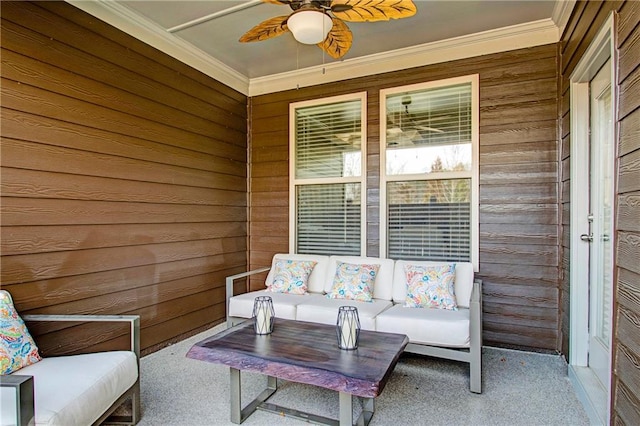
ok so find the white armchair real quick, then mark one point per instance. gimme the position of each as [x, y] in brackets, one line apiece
[75, 389]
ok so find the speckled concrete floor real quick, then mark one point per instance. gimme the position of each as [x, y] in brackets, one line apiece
[519, 388]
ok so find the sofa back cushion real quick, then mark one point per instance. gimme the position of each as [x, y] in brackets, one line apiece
[317, 278]
[382, 287]
[463, 282]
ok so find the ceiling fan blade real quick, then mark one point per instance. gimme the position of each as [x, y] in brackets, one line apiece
[372, 10]
[280, 2]
[270, 28]
[338, 41]
[407, 124]
[429, 129]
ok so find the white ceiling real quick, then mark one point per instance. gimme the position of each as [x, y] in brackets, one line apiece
[205, 33]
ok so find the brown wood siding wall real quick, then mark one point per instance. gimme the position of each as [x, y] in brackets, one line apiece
[626, 380]
[519, 259]
[586, 21]
[123, 176]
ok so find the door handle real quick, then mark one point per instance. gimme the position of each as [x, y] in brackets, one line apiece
[586, 237]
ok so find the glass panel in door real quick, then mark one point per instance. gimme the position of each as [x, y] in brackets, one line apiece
[602, 201]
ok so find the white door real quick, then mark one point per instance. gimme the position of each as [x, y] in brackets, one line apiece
[592, 215]
[601, 200]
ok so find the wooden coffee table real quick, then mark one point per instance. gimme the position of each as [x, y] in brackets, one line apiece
[308, 353]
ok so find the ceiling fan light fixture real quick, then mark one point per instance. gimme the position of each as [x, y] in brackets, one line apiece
[309, 26]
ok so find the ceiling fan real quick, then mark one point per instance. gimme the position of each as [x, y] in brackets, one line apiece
[403, 124]
[322, 22]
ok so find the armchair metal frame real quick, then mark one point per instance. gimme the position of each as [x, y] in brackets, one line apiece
[24, 384]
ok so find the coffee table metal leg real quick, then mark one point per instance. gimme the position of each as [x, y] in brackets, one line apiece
[346, 409]
[368, 408]
[239, 414]
[236, 408]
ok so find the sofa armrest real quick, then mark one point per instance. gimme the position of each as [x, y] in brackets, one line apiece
[133, 320]
[475, 310]
[230, 279]
[475, 336]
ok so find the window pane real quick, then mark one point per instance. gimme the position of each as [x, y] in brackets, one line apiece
[429, 124]
[328, 140]
[429, 159]
[329, 218]
[429, 220]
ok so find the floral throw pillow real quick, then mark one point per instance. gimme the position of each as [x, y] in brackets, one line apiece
[17, 348]
[354, 282]
[290, 276]
[431, 287]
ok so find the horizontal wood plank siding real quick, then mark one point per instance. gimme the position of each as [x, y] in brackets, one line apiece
[626, 368]
[519, 193]
[124, 178]
[586, 21]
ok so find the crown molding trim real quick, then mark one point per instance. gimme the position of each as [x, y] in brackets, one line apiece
[520, 36]
[562, 12]
[144, 30]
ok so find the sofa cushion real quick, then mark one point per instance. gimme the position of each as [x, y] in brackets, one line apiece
[317, 278]
[91, 383]
[17, 347]
[354, 282]
[463, 283]
[430, 286]
[291, 276]
[436, 327]
[325, 311]
[284, 304]
[382, 287]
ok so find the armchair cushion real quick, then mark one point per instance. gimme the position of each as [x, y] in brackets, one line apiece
[17, 347]
[77, 389]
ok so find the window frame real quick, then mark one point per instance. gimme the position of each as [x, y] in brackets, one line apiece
[362, 179]
[474, 173]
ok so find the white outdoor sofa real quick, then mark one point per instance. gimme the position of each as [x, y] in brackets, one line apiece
[450, 334]
[83, 389]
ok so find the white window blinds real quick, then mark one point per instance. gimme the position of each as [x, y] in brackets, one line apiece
[327, 204]
[429, 140]
[329, 221]
[429, 220]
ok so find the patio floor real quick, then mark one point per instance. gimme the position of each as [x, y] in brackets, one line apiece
[519, 388]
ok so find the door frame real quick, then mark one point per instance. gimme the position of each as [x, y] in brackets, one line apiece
[596, 402]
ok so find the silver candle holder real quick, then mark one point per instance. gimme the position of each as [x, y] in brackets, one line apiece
[263, 315]
[348, 327]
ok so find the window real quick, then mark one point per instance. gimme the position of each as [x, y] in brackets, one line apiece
[429, 163]
[327, 176]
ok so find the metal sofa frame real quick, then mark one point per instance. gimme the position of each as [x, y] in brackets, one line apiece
[472, 355]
